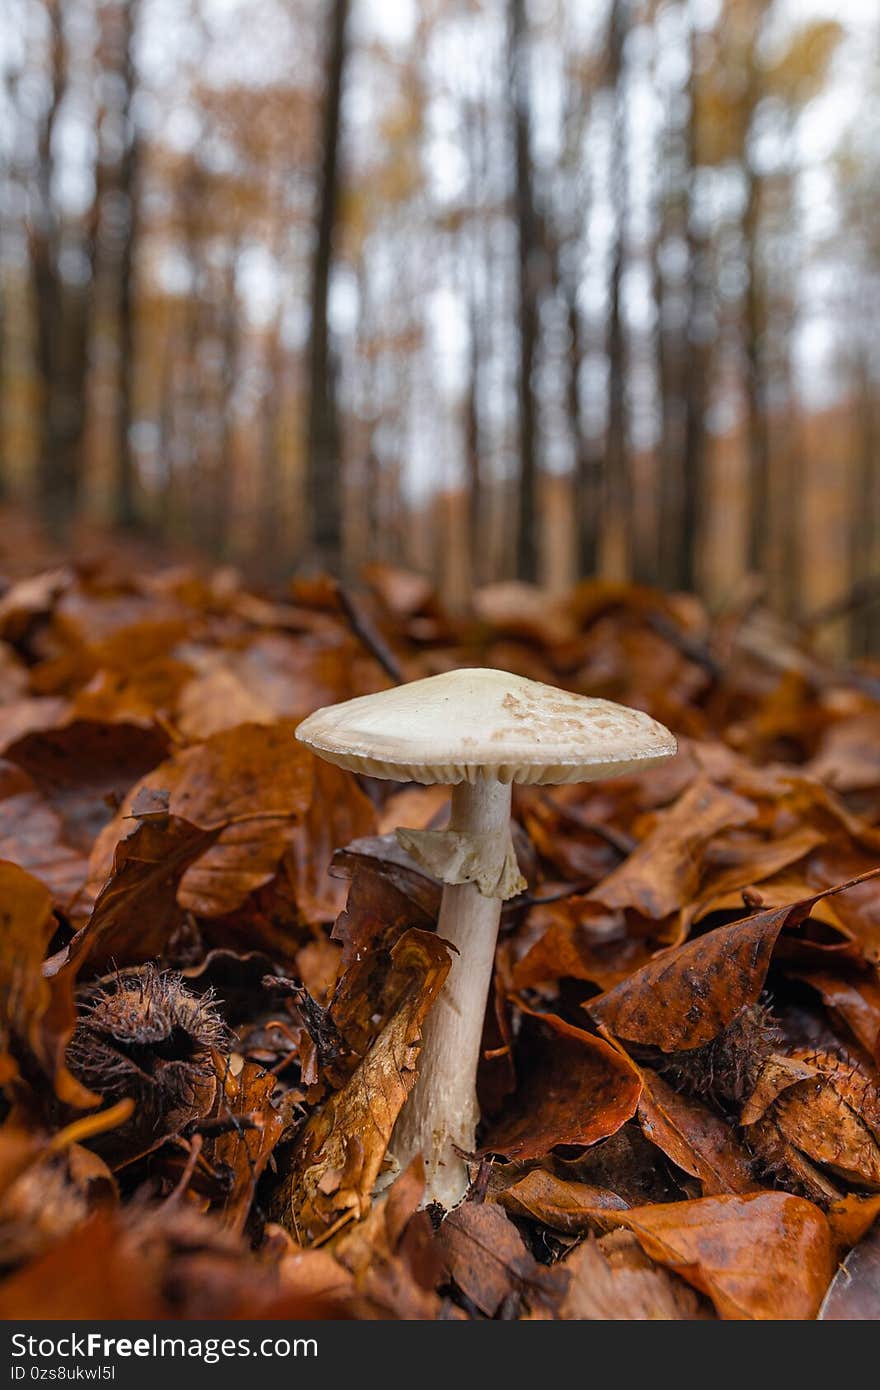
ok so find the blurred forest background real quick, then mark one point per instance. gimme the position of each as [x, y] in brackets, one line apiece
[492, 289]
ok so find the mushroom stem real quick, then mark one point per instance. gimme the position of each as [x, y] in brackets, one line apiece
[440, 1117]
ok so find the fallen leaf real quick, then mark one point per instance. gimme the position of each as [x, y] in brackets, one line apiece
[613, 1280]
[36, 1015]
[687, 995]
[243, 1152]
[136, 911]
[764, 1255]
[32, 836]
[572, 1088]
[663, 873]
[854, 1295]
[696, 1139]
[487, 1258]
[339, 1153]
[555, 1202]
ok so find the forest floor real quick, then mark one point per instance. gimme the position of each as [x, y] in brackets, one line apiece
[213, 946]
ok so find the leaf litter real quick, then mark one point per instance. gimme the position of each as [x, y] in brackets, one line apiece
[216, 963]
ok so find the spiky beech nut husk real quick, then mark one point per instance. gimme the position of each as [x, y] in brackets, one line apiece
[726, 1069]
[142, 1034]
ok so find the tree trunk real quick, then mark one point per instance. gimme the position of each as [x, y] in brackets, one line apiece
[63, 314]
[230, 344]
[476, 538]
[528, 530]
[323, 472]
[270, 502]
[618, 484]
[865, 515]
[700, 338]
[125, 502]
[755, 384]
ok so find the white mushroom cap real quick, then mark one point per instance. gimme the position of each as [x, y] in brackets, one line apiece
[473, 724]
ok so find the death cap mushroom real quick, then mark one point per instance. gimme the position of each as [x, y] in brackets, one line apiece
[474, 724]
[477, 731]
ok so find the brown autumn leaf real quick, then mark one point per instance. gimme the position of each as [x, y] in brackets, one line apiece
[487, 1258]
[613, 1280]
[854, 1295]
[688, 994]
[557, 1202]
[663, 873]
[857, 910]
[36, 1015]
[92, 1275]
[244, 1104]
[395, 1262]
[338, 812]
[375, 917]
[854, 996]
[848, 756]
[216, 700]
[136, 911]
[85, 767]
[246, 785]
[580, 940]
[32, 836]
[572, 1088]
[748, 863]
[696, 1138]
[764, 1255]
[851, 1217]
[30, 598]
[340, 1151]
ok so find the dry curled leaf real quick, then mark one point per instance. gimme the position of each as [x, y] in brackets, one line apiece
[759, 1256]
[486, 1257]
[697, 1139]
[36, 1015]
[613, 1280]
[572, 1088]
[688, 994]
[663, 874]
[339, 1154]
[854, 1295]
[557, 1203]
[137, 911]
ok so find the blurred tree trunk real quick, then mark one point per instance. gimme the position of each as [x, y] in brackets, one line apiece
[167, 442]
[62, 309]
[865, 514]
[586, 464]
[528, 529]
[125, 510]
[190, 415]
[472, 453]
[754, 326]
[568, 253]
[618, 484]
[269, 497]
[4, 378]
[230, 346]
[473, 255]
[755, 384]
[668, 354]
[698, 357]
[323, 464]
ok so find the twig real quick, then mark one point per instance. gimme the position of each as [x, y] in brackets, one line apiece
[366, 633]
[861, 595]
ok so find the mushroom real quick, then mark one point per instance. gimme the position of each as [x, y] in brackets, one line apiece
[477, 731]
